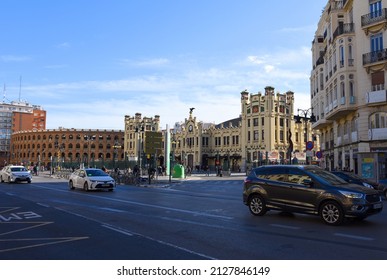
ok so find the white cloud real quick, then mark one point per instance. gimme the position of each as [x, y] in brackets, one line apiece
[64, 45]
[152, 62]
[213, 91]
[14, 58]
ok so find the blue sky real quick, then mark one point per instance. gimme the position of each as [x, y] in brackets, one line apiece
[89, 63]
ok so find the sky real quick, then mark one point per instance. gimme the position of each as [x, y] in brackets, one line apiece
[89, 63]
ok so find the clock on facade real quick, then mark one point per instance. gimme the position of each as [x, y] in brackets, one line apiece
[190, 128]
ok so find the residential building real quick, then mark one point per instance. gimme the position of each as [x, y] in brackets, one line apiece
[16, 116]
[348, 86]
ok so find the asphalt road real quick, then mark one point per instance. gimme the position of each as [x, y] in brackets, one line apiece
[198, 218]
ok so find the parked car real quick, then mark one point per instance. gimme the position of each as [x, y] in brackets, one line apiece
[308, 189]
[355, 179]
[91, 179]
[15, 173]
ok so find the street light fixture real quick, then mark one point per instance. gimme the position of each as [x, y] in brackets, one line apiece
[308, 116]
[172, 157]
[140, 130]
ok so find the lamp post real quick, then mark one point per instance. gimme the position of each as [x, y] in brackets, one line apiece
[88, 139]
[115, 154]
[171, 157]
[140, 131]
[308, 116]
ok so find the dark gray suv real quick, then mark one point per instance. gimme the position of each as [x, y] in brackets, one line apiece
[308, 189]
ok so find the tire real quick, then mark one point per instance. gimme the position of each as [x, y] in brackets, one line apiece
[86, 187]
[257, 205]
[331, 213]
[71, 185]
[1, 179]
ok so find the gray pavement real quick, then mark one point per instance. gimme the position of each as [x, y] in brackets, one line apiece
[159, 181]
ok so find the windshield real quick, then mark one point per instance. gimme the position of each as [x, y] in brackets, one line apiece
[327, 176]
[95, 172]
[16, 169]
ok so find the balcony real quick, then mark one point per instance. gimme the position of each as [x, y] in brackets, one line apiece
[376, 97]
[377, 134]
[340, 108]
[342, 29]
[375, 59]
[374, 21]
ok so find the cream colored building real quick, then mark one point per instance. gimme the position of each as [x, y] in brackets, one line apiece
[348, 86]
[260, 135]
[134, 136]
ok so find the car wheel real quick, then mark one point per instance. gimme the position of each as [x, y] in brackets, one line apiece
[71, 185]
[331, 213]
[9, 180]
[29, 181]
[1, 179]
[86, 187]
[257, 205]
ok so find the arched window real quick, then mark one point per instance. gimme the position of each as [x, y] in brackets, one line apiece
[378, 120]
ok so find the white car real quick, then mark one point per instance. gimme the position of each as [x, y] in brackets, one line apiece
[15, 173]
[91, 179]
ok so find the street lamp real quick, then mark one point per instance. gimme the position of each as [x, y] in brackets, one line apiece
[115, 153]
[172, 157]
[140, 131]
[88, 139]
[308, 116]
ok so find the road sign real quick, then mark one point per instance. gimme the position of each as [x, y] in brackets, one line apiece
[309, 145]
[319, 154]
[153, 142]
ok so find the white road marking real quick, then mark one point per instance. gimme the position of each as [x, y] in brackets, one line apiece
[284, 226]
[118, 230]
[359, 237]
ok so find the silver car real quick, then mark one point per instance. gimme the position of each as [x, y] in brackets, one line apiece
[15, 173]
[91, 179]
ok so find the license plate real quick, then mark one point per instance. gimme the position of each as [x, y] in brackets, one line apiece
[377, 206]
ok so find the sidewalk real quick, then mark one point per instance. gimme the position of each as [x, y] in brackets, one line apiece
[159, 181]
[165, 181]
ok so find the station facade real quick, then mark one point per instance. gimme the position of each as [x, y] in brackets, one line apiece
[266, 132]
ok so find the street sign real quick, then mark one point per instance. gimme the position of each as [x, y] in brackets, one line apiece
[319, 154]
[309, 145]
[153, 142]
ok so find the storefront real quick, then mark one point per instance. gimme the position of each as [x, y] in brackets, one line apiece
[372, 165]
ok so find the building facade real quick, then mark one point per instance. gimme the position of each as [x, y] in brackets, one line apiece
[348, 86]
[16, 116]
[136, 130]
[67, 147]
[265, 133]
